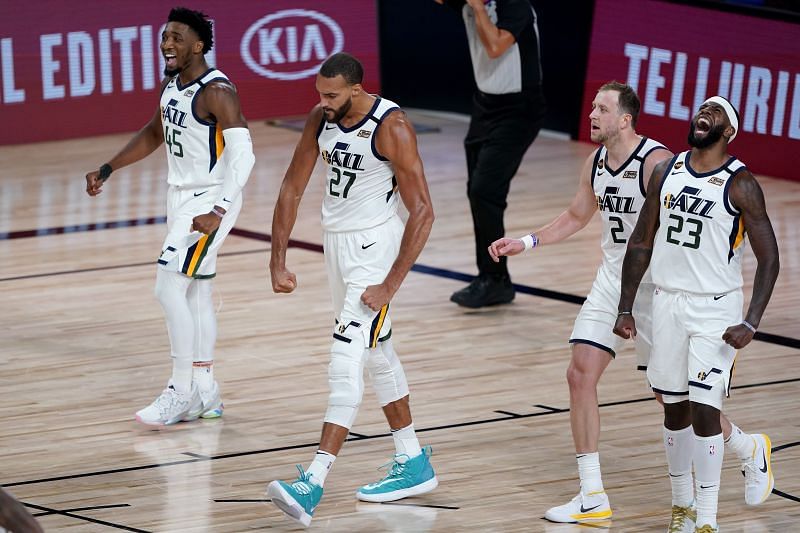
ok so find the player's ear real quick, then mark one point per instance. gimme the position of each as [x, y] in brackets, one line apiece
[357, 89]
[198, 47]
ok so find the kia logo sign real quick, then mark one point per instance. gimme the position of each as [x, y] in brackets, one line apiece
[290, 44]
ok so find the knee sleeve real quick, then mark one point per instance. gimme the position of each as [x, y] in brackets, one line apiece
[346, 380]
[386, 373]
[170, 291]
[201, 304]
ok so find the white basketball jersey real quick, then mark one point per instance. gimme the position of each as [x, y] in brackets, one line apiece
[620, 196]
[360, 183]
[699, 244]
[194, 146]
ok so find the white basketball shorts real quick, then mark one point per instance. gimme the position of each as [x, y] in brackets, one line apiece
[356, 260]
[689, 356]
[191, 252]
[595, 322]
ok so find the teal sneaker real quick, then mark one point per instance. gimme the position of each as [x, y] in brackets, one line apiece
[297, 500]
[408, 476]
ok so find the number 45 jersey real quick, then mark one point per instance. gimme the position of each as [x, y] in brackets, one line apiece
[700, 240]
[194, 146]
[360, 189]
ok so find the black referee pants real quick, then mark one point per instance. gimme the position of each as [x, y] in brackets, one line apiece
[500, 131]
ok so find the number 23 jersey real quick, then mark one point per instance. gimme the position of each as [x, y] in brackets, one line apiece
[700, 240]
[360, 188]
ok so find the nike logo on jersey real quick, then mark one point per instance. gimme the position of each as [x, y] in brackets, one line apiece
[225, 200]
[764, 456]
[720, 296]
[676, 172]
[365, 246]
[330, 127]
[586, 510]
[200, 193]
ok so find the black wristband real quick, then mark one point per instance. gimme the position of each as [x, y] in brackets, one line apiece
[105, 171]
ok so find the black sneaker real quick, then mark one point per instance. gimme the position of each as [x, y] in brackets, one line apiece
[483, 291]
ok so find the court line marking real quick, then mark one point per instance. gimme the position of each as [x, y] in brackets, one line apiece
[84, 518]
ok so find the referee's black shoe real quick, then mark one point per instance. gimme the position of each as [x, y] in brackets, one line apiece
[485, 290]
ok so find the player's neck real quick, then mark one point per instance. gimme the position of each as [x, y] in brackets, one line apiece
[362, 105]
[193, 72]
[621, 147]
[711, 158]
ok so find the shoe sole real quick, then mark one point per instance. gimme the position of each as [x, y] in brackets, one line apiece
[588, 518]
[284, 501]
[416, 490]
[487, 304]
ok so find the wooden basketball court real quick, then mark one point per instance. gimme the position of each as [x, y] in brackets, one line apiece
[84, 346]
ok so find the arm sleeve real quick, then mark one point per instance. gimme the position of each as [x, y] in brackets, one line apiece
[240, 161]
[514, 16]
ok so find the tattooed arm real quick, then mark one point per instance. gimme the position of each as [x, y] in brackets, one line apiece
[637, 256]
[746, 194]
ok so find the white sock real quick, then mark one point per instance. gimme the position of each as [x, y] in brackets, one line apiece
[679, 446]
[203, 374]
[740, 443]
[589, 472]
[406, 442]
[708, 454]
[182, 374]
[320, 466]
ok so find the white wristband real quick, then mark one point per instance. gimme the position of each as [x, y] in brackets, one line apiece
[749, 326]
[530, 241]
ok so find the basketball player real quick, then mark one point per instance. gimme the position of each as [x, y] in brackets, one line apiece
[370, 148]
[614, 179]
[693, 223]
[210, 156]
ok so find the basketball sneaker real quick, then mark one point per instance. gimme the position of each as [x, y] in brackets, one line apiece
[582, 508]
[170, 407]
[212, 402]
[407, 476]
[683, 519]
[758, 479]
[298, 500]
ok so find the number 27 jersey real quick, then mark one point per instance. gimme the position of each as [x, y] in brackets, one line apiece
[700, 239]
[360, 183]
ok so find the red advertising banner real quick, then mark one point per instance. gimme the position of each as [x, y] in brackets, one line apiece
[676, 56]
[74, 71]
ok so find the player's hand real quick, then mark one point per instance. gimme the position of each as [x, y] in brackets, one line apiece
[476, 4]
[505, 246]
[283, 281]
[207, 223]
[738, 336]
[376, 296]
[93, 183]
[625, 327]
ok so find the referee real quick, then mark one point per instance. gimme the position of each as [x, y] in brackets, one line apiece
[507, 112]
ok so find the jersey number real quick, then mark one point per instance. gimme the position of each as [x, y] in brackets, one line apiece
[351, 177]
[694, 234]
[617, 230]
[171, 138]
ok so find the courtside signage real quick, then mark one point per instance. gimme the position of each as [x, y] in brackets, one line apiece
[676, 56]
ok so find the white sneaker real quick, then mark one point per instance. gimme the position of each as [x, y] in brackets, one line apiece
[683, 519]
[582, 508]
[170, 407]
[212, 402]
[758, 479]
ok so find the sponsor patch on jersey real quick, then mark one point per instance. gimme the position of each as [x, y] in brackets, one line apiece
[678, 165]
[364, 133]
[713, 180]
[190, 92]
[601, 164]
[630, 175]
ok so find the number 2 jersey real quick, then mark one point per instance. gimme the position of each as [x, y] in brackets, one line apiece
[699, 244]
[620, 196]
[194, 146]
[360, 182]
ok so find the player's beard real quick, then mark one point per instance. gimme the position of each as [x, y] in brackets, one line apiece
[338, 114]
[172, 73]
[712, 136]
